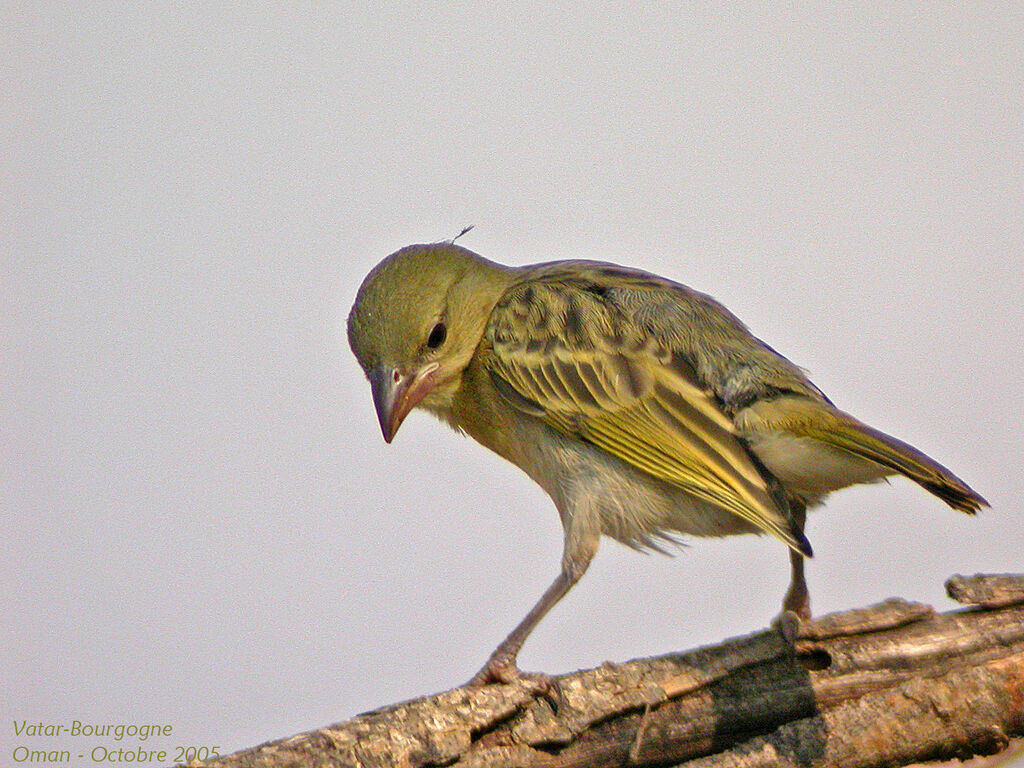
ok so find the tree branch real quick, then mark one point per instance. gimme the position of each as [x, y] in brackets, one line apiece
[888, 685]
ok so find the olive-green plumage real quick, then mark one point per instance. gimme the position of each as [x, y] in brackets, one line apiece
[644, 408]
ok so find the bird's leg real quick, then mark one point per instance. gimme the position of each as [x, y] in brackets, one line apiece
[796, 605]
[798, 599]
[501, 666]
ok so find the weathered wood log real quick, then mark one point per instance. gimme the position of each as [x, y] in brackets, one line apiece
[889, 685]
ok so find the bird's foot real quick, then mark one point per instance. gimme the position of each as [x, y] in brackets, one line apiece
[502, 669]
[796, 609]
[788, 624]
[496, 670]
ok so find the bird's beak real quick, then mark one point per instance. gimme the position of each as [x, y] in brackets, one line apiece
[395, 394]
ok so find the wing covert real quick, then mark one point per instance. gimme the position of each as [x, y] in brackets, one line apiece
[567, 353]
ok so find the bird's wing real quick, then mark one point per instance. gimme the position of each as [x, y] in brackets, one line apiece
[563, 351]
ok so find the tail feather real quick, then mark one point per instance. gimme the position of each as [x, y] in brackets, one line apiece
[869, 443]
[803, 417]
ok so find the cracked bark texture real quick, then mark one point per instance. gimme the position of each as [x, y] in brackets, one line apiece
[889, 685]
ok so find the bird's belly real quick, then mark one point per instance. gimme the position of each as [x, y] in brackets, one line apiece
[639, 510]
[809, 468]
[642, 516]
[592, 488]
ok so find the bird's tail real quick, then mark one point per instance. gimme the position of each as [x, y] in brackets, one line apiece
[869, 443]
[807, 418]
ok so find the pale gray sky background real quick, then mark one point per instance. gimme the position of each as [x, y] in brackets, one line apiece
[202, 524]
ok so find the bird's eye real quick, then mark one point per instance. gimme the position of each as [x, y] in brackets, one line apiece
[437, 336]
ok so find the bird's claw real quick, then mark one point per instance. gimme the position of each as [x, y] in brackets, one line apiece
[788, 625]
[496, 670]
[503, 671]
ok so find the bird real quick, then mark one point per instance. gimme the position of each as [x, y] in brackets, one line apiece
[645, 409]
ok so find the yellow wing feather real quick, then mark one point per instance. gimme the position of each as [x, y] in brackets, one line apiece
[582, 365]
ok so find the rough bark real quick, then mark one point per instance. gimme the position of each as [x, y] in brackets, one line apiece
[890, 685]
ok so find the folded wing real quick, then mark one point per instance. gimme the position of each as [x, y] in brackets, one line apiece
[565, 352]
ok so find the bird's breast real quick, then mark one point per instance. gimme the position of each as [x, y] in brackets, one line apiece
[588, 485]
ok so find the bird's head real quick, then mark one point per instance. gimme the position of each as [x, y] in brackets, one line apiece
[416, 323]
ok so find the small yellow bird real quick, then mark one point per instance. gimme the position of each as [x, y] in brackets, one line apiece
[643, 408]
